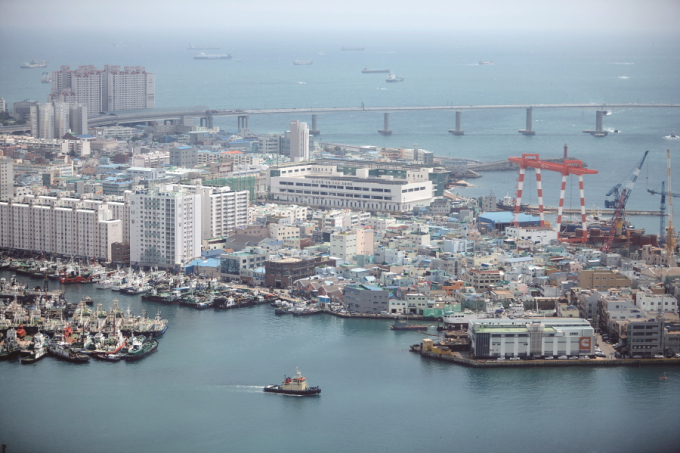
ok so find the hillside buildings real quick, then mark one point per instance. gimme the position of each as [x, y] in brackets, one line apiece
[56, 119]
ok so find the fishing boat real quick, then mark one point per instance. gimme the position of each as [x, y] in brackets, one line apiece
[46, 77]
[302, 62]
[140, 348]
[61, 350]
[393, 78]
[9, 349]
[33, 64]
[37, 350]
[294, 386]
[107, 357]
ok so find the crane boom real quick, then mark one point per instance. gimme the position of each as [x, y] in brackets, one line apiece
[629, 187]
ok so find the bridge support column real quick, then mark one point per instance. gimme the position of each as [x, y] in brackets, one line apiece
[599, 130]
[209, 121]
[242, 122]
[529, 130]
[386, 128]
[457, 130]
[314, 131]
[202, 122]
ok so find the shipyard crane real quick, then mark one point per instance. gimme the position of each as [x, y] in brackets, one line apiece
[620, 204]
[616, 190]
[662, 210]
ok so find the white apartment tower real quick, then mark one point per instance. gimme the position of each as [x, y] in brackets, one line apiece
[299, 141]
[42, 121]
[109, 89]
[6, 178]
[165, 227]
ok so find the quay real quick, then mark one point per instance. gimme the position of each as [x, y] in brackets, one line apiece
[460, 359]
[553, 210]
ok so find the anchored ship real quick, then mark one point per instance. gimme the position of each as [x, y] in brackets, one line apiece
[34, 64]
[302, 62]
[205, 56]
[375, 71]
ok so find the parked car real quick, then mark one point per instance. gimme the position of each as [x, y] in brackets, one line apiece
[600, 354]
[574, 357]
[677, 355]
[562, 357]
[549, 357]
[637, 356]
[514, 358]
[659, 356]
[500, 358]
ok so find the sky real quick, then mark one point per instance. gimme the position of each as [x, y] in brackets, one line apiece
[397, 16]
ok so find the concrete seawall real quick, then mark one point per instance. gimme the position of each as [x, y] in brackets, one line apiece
[549, 363]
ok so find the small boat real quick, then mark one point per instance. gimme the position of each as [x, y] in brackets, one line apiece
[302, 62]
[115, 357]
[400, 324]
[484, 62]
[294, 386]
[141, 348]
[663, 378]
[393, 78]
[46, 77]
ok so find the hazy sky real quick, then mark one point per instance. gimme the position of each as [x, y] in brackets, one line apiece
[399, 16]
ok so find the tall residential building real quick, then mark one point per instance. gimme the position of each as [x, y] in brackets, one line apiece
[109, 89]
[70, 227]
[77, 118]
[42, 120]
[3, 105]
[6, 177]
[222, 210]
[299, 141]
[165, 227]
[55, 119]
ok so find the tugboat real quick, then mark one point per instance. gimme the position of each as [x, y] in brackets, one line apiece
[294, 386]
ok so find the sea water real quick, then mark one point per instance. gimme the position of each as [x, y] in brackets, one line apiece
[202, 389]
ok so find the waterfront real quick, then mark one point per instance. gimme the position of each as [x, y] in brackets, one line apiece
[202, 390]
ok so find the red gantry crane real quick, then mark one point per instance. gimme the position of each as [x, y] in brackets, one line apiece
[566, 167]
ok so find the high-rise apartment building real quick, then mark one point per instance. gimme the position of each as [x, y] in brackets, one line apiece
[104, 90]
[165, 227]
[42, 121]
[3, 105]
[222, 210]
[6, 178]
[70, 227]
[299, 141]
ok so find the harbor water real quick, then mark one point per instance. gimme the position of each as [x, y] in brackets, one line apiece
[203, 391]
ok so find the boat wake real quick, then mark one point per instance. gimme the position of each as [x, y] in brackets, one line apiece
[244, 388]
[624, 77]
[672, 137]
[383, 89]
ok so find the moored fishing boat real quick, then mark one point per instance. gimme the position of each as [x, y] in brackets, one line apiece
[294, 386]
[62, 351]
[140, 348]
[36, 351]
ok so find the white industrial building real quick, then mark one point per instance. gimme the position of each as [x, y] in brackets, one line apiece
[547, 337]
[323, 185]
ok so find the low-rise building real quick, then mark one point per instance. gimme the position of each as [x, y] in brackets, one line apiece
[495, 338]
[366, 299]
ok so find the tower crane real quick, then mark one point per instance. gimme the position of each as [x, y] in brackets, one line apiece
[662, 210]
[620, 203]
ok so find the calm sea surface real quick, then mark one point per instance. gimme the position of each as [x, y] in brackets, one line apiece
[202, 390]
